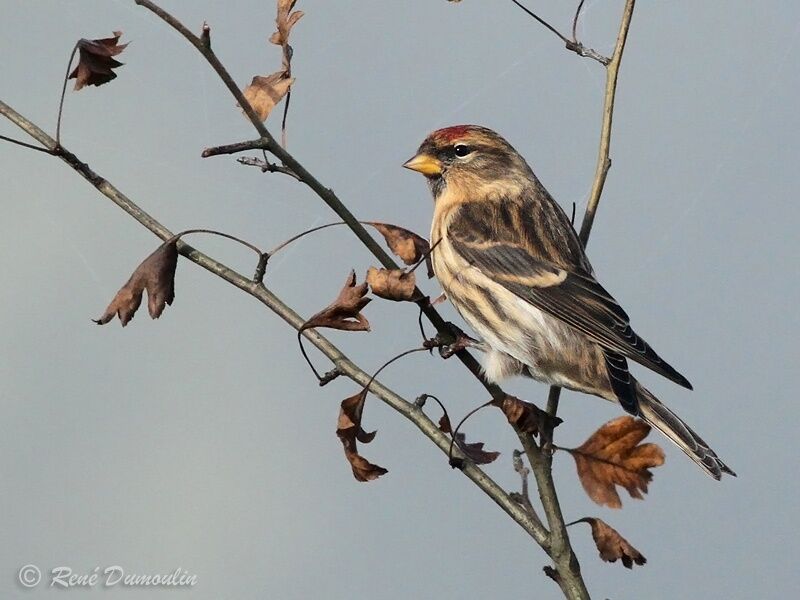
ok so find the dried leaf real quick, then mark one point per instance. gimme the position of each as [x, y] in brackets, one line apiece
[94, 61]
[407, 245]
[611, 544]
[349, 432]
[444, 424]
[474, 450]
[156, 274]
[392, 284]
[345, 312]
[285, 20]
[611, 456]
[264, 93]
[525, 416]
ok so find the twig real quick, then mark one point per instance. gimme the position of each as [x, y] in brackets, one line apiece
[575, 21]
[266, 166]
[205, 35]
[523, 497]
[228, 236]
[603, 160]
[63, 93]
[285, 114]
[275, 304]
[235, 148]
[26, 145]
[571, 44]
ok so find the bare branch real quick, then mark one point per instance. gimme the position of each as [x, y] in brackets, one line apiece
[603, 160]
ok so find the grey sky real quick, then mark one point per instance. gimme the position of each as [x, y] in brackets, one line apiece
[201, 441]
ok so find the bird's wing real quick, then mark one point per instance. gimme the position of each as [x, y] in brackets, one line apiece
[572, 296]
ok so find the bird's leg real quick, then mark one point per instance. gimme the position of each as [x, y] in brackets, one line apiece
[453, 341]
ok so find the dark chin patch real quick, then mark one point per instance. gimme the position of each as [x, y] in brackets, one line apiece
[437, 186]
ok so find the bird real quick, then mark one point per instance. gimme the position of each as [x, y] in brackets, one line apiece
[508, 258]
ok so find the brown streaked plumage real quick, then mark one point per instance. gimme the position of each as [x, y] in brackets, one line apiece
[508, 258]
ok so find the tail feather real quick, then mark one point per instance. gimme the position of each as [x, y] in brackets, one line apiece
[667, 422]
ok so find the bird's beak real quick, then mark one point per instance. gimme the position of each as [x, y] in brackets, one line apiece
[425, 164]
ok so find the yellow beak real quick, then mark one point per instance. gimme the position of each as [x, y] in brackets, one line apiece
[425, 164]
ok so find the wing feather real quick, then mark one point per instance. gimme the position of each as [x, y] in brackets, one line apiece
[572, 294]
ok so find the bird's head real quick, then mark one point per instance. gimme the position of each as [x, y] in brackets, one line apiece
[468, 157]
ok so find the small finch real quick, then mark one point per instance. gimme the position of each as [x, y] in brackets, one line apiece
[507, 257]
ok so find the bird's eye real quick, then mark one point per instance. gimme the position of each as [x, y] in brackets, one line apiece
[461, 150]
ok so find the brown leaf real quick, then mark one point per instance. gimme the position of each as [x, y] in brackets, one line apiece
[345, 312]
[94, 61]
[392, 284]
[156, 274]
[611, 456]
[611, 544]
[285, 20]
[474, 450]
[444, 424]
[525, 416]
[264, 93]
[349, 432]
[407, 245]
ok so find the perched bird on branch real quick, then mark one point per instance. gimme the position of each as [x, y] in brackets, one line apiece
[508, 258]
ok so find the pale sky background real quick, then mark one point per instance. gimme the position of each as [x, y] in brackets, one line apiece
[201, 440]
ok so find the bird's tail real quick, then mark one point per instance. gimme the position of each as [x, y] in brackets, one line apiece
[671, 425]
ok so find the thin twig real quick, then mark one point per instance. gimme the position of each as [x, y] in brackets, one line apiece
[25, 145]
[285, 113]
[571, 44]
[285, 243]
[252, 247]
[575, 21]
[259, 143]
[266, 166]
[603, 160]
[63, 93]
[542, 22]
[205, 36]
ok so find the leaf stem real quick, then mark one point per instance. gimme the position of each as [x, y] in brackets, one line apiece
[63, 93]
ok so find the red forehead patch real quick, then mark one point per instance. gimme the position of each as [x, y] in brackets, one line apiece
[448, 134]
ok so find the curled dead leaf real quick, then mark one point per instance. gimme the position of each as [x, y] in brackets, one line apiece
[444, 424]
[264, 93]
[345, 312]
[525, 416]
[473, 450]
[612, 456]
[156, 274]
[392, 284]
[350, 432]
[95, 62]
[405, 244]
[612, 545]
[285, 20]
